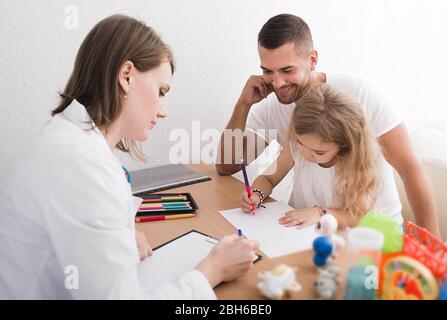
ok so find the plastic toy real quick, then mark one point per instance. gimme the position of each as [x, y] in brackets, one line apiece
[407, 279]
[323, 248]
[443, 291]
[382, 222]
[328, 282]
[427, 249]
[327, 226]
[278, 283]
[356, 278]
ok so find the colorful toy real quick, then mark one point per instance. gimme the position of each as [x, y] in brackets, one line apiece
[323, 248]
[427, 249]
[417, 271]
[278, 283]
[327, 226]
[328, 282]
[443, 291]
[407, 279]
[356, 288]
[382, 222]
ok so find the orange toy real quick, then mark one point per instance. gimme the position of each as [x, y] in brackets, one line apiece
[412, 273]
[407, 279]
[427, 249]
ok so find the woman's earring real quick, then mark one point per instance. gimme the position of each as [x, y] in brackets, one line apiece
[125, 95]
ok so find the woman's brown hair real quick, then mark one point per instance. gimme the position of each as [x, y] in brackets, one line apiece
[94, 81]
[336, 118]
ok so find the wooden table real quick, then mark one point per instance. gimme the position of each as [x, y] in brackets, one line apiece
[222, 193]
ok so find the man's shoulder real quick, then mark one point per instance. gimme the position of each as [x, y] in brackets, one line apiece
[353, 83]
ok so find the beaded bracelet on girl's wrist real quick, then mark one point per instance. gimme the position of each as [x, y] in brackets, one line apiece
[261, 196]
[322, 211]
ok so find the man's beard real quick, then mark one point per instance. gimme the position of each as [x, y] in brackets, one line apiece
[298, 92]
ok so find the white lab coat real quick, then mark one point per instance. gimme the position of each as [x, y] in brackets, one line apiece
[68, 208]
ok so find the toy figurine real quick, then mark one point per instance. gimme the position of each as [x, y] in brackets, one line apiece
[443, 291]
[328, 280]
[323, 248]
[327, 226]
[279, 282]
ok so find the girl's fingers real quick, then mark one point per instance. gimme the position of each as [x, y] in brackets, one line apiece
[288, 217]
[246, 207]
[304, 225]
[293, 223]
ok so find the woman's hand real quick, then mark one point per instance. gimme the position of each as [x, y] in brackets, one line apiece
[143, 246]
[231, 258]
[247, 204]
[301, 218]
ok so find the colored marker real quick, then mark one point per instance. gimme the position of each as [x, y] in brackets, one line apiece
[160, 218]
[247, 186]
[239, 232]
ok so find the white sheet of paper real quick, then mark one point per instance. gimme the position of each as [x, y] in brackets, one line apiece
[174, 259]
[274, 239]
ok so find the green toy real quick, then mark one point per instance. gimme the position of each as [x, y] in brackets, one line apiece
[380, 221]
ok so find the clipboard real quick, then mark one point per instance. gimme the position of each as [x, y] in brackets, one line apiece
[174, 258]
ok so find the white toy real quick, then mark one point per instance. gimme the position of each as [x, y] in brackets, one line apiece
[279, 282]
[328, 280]
[327, 226]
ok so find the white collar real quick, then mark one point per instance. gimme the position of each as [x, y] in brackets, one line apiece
[77, 114]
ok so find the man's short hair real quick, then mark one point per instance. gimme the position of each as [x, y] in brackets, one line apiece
[285, 28]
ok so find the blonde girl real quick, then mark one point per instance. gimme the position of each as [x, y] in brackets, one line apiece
[338, 166]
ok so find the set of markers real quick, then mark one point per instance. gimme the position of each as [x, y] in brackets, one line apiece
[166, 206]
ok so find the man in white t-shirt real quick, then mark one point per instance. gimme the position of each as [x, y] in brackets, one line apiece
[288, 61]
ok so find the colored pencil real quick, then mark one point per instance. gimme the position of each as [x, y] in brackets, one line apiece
[167, 204]
[160, 206]
[155, 197]
[162, 210]
[160, 218]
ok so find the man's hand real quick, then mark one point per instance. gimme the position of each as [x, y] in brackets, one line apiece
[254, 91]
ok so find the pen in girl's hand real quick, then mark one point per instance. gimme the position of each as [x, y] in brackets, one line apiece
[247, 186]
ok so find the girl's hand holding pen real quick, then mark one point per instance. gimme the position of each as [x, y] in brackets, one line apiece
[246, 204]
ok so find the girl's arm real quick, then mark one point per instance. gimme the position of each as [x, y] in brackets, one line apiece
[344, 218]
[270, 177]
[309, 216]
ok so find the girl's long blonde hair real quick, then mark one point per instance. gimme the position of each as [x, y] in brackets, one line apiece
[336, 118]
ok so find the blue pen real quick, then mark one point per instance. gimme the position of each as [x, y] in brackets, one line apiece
[239, 232]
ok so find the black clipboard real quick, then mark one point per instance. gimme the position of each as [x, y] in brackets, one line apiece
[259, 257]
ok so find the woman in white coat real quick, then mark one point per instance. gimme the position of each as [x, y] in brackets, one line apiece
[68, 204]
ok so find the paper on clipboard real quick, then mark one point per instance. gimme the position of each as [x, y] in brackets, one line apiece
[174, 258]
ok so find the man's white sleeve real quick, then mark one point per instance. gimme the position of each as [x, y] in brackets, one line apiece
[258, 120]
[380, 108]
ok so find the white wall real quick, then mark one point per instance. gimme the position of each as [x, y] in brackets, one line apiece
[399, 43]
